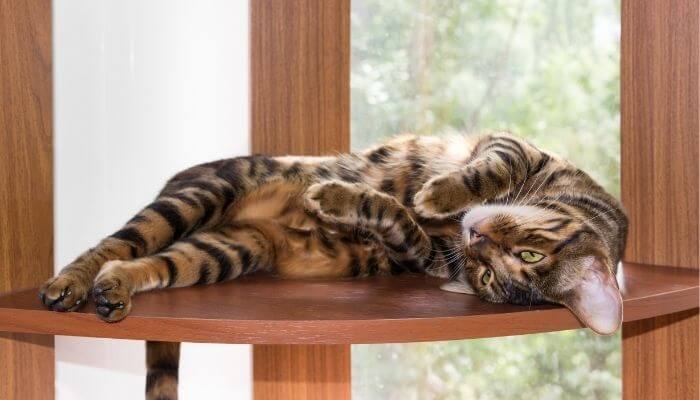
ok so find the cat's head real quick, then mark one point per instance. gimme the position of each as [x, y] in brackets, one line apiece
[531, 255]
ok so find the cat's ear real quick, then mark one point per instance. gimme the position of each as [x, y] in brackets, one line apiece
[595, 298]
[457, 287]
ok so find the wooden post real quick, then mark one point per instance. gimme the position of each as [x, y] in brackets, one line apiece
[300, 94]
[313, 372]
[26, 220]
[660, 177]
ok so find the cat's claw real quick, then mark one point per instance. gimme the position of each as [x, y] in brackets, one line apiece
[112, 297]
[63, 293]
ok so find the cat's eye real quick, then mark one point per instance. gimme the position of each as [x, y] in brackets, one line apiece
[486, 277]
[530, 256]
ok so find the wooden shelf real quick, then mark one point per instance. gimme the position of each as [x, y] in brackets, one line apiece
[262, 310]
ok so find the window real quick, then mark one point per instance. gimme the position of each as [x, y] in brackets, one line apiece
[547, 71]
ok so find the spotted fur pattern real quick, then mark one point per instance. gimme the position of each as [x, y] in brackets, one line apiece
[454, 207]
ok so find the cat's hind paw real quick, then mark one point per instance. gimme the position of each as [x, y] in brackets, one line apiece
[334, 202]
[112, 293]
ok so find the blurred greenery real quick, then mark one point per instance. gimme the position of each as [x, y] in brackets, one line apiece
[546, 70]
[575, 364]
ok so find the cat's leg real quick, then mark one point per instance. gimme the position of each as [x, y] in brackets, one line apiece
[358, 205]
[194, 199]
[502, 162]
[162, 362]
[166, 219]
[204, 257]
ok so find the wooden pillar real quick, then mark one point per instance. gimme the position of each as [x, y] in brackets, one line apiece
[300, 94]
[26, 220]
[660, 178]
[313, 372]
[300, 76]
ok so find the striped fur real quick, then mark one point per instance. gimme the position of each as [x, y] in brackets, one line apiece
[452, 207]
[162, 361]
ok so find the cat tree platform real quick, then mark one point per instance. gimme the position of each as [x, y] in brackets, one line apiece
[301, 330]
[263, 310]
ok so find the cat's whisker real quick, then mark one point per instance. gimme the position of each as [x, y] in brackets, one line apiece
[542, 181]
[525, 197]
[451, 248]
[510, 174]
[453, 258]
[599, 215]
[460, 268]
[517, 196]
[541, 212]
[449, 256]
[450, 259]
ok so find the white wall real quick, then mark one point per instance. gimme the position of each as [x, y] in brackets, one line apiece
[143, 88]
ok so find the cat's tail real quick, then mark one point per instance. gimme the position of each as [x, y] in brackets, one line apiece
[162, 361]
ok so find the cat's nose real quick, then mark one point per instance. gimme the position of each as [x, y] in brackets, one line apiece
[472, 233]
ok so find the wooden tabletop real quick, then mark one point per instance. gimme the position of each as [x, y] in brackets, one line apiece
[261, 310]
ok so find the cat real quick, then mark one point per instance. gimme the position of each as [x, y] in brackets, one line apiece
[496, 216]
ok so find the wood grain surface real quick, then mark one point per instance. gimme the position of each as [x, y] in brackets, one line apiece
[660, 358]
[264, 310]
[300, 76]
[311, 372]
[26, 227]
[660, 179]
[660, 125]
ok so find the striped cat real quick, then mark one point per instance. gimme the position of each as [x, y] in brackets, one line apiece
[498, 217]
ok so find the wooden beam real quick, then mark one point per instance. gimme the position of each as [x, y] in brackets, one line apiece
[660, 358]
[26, 220]
[300, 76]
[311, 372]
[660, 125]
[660, 179]
[300, 104]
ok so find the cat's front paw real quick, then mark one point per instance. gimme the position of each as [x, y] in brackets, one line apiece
[334, 202]
[65, 292]
[443, 196]
[112, 293]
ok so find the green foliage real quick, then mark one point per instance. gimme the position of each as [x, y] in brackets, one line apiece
[547, 70]
[565, 365]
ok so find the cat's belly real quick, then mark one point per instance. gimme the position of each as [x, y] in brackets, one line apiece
[282, 202]
[307, 248]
